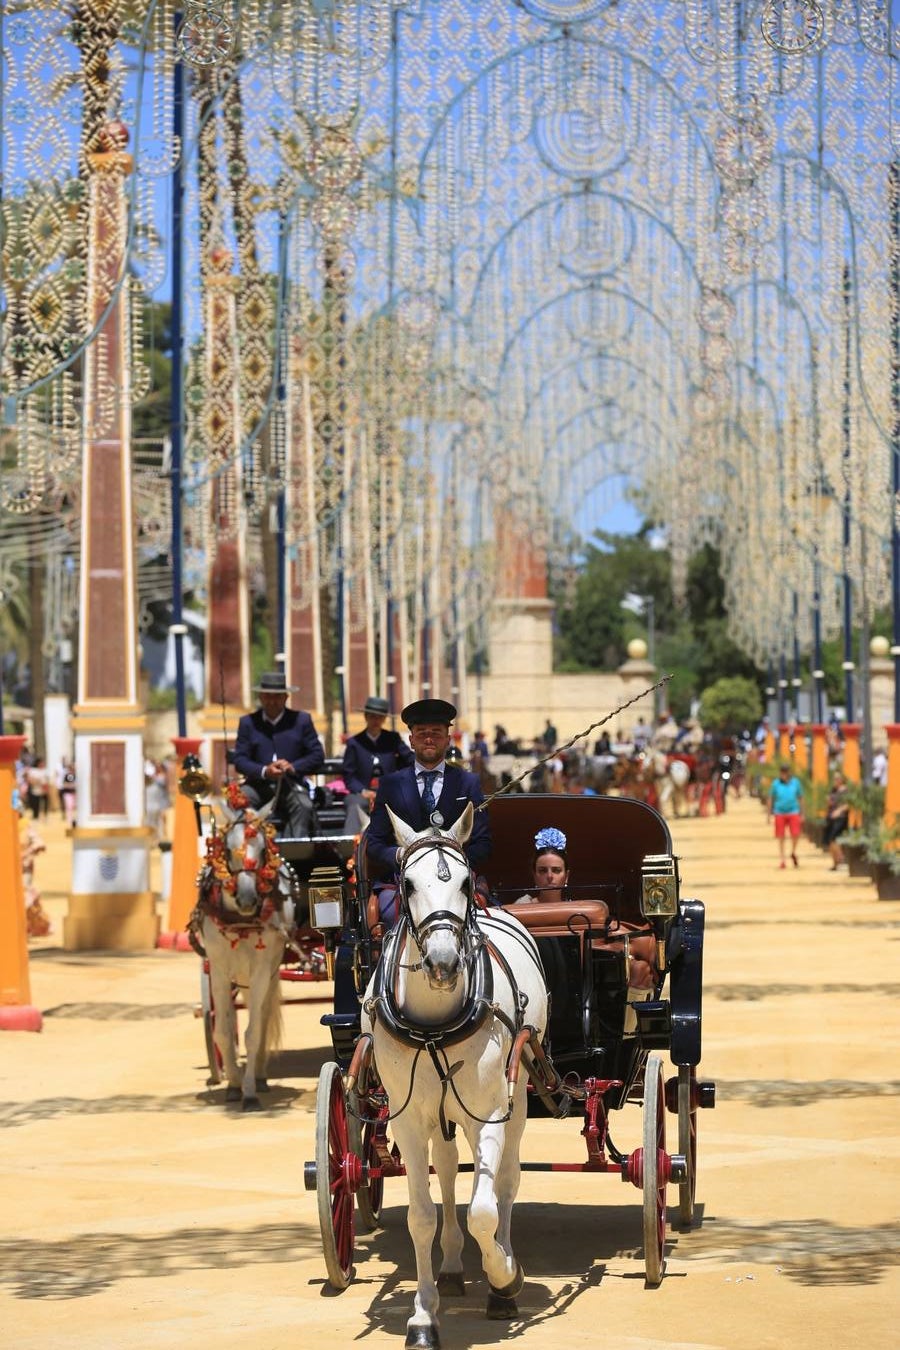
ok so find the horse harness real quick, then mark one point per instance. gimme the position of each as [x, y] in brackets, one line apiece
[479, 954]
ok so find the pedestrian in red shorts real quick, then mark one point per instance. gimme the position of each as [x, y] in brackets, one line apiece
[786, 805]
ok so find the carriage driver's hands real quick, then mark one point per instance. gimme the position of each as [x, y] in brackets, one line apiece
[278, 768]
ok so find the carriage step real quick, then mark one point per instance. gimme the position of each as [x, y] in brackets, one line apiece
[344, 1028]
[654, 1023]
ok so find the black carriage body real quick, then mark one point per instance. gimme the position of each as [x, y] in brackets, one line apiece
[597, 1027]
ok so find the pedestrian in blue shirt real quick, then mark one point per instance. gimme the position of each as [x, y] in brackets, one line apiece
[786, 805]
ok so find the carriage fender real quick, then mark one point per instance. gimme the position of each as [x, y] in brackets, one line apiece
[685, 956]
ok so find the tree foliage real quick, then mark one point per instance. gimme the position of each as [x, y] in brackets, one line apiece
[731, 705]
[691, 643]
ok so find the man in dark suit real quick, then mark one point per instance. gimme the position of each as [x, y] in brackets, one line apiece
[275, 748]
[369, 756]
[430, 790]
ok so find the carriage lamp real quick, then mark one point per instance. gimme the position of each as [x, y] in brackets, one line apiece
[326, 904]
[326, 909]
[659, 886]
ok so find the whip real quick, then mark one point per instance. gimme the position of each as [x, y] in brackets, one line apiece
[577, 737]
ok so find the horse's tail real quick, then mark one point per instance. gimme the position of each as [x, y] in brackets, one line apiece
[272, 1019]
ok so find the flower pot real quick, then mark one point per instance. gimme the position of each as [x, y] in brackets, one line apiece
[886, 882]
[857, 863]
[814, 831]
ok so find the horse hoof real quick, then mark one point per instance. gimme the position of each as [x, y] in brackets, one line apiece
[451, 1283]
[262, 1085]
[500, 1309]
[250, 1104]
[422, 1338]
[232, 1094]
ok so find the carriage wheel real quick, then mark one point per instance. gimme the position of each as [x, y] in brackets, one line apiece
[654, 1170]
[362, 1143]
[687, 1141]
[333, 1189]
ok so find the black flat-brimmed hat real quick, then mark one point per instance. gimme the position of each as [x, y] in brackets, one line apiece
[272, 682]
[379, 706]
[427, 710]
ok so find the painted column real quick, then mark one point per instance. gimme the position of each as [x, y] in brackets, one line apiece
[819, 752]
[784, 742]
[769, 750]
[16, 1010]
[801, 750]
[303, 621]
[892, 793]
[187, 848]
[228, 625]
[111, 904]
[852, 765]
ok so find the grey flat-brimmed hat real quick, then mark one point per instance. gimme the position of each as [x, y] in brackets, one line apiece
[272, 682]
[379, 706]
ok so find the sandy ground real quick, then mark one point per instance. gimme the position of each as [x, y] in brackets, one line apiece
[138, 1212]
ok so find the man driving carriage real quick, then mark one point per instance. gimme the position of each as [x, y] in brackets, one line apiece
[433, 788]
[275, 748]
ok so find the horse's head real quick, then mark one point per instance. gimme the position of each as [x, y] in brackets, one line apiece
[244, 852]
[436, 896]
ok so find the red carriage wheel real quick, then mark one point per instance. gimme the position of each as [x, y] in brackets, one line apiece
[655, 1170]
[687, 1141]
[362, 1143]
[337, 1169]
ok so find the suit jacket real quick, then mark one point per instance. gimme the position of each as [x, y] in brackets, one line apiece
[359, 755]
[401, 792]
[294, 738]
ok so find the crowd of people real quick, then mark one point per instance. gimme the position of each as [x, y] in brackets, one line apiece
[435, 770]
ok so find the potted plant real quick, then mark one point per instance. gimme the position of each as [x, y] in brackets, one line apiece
[853, 846]
[883, 853]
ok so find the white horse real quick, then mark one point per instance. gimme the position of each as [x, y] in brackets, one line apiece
[242, 919]
[670, 778]
[457, 999]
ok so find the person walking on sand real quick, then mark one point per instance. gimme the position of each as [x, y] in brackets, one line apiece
[786, 805]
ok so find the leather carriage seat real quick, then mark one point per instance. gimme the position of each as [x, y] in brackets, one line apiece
[561, 918]
[566, 918]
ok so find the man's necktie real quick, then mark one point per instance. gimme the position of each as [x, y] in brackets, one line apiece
[428, 802]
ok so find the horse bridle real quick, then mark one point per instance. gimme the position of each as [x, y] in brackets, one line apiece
[463, 927]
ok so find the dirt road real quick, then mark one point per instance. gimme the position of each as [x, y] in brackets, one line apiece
[139, 1213]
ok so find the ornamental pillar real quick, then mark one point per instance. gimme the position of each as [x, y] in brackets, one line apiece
[186, 853]
[892, 793]
[852, 765]
[16, 1010]
[784, 742]
[228, 628]
[801, 750]
[111, 904]
[819, 752]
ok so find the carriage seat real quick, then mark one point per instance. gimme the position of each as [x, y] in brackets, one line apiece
[568, 918]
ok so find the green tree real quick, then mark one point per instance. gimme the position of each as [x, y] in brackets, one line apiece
[731, 704]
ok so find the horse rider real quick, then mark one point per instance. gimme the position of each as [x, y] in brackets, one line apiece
[275, 748]
[368, 757]
[432, 790]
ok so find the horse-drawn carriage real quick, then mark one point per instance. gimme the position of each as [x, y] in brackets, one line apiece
[590, 1035]
[250, 863]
